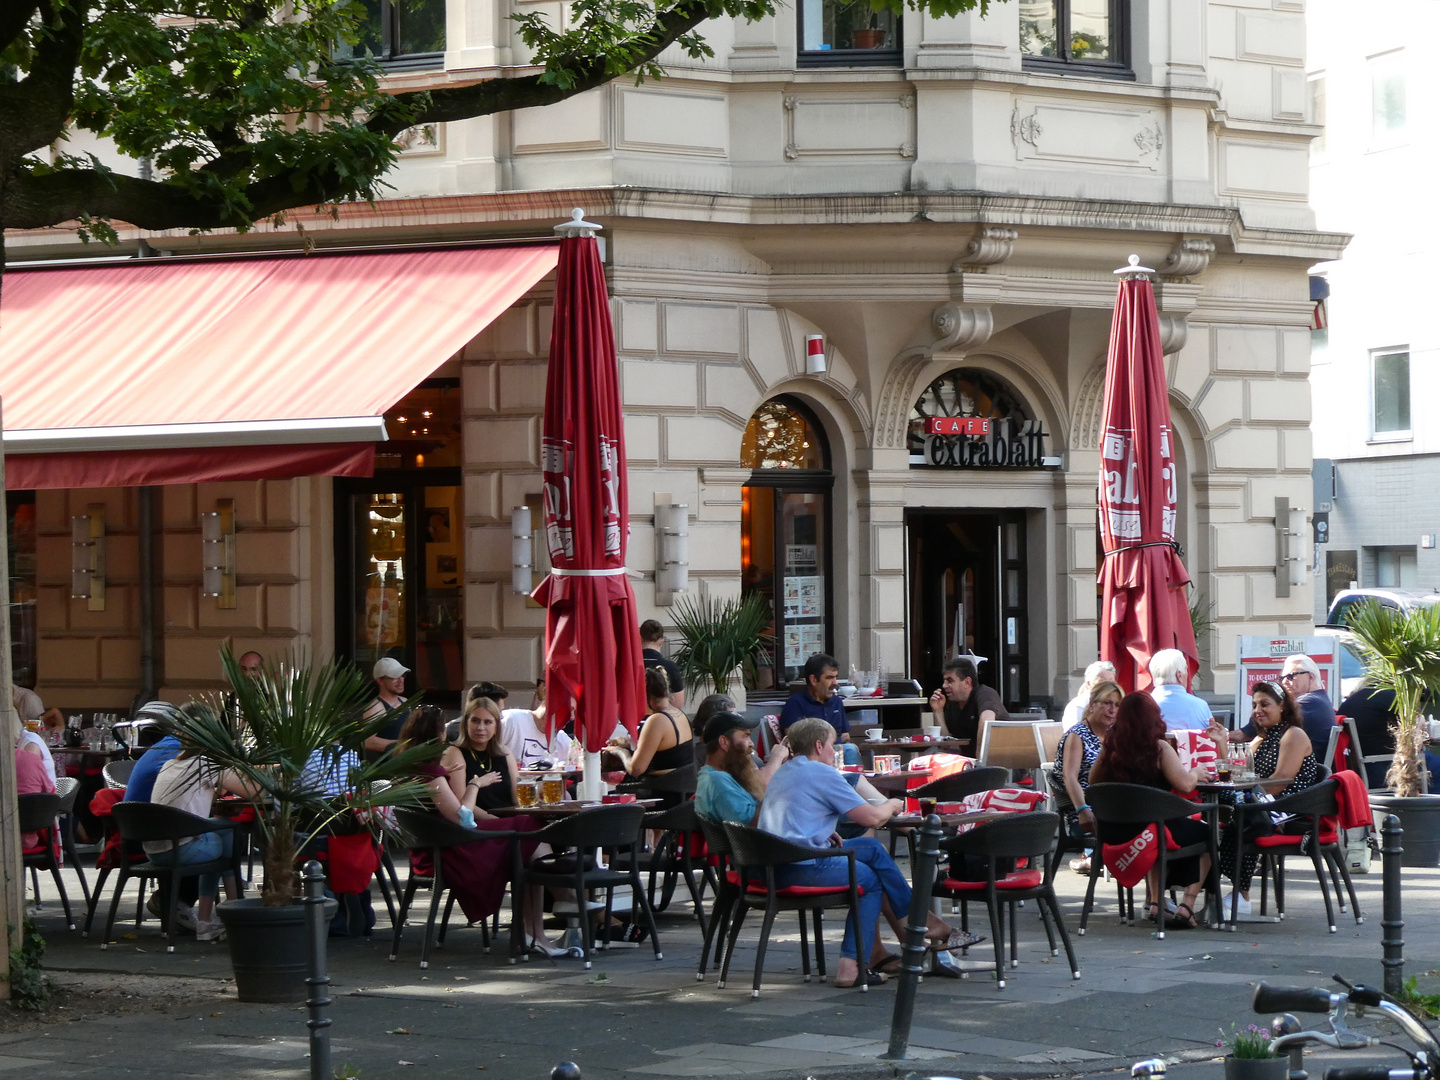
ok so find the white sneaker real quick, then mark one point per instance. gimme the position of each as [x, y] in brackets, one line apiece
[209, 930]
[1242, 908]
[185, 918]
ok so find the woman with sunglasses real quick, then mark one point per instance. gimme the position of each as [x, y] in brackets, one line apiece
[1282, 755]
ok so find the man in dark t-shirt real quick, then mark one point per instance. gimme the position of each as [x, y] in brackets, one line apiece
[963, 705]
[652, 639]
[1373, 711]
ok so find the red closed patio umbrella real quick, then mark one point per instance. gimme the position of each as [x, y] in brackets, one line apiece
[1144, 606]
[593, 667]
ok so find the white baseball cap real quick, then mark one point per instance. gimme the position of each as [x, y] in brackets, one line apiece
[387, 667]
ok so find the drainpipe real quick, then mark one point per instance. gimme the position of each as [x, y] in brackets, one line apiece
[149, 687]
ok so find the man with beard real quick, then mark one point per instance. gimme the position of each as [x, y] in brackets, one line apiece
[730, 785]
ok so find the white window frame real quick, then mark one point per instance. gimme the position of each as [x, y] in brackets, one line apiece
[1392, 62]
[1400, 435]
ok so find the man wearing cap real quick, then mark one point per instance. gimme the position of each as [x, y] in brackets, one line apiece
[730, 785]
[389, 676]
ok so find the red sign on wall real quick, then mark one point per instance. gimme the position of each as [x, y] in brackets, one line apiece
[957, 425]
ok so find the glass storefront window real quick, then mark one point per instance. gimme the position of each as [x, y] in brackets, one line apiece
[785, 533]
[20, 532]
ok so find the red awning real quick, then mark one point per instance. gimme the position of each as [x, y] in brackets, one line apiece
[168, 372]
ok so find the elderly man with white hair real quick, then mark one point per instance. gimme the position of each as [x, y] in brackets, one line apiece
[1181, 710]
[1301, 679]
[1098, 672]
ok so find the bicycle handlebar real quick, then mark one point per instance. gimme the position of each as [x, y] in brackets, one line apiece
[1273, 999]
[1369, 1072]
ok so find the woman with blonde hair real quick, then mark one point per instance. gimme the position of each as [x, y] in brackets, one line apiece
[1098, 672]
[478, 759]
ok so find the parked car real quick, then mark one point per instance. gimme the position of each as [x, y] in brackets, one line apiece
[1352, 668]
[1400, 599]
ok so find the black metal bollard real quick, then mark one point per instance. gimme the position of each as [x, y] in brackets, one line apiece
[317, 933]
[927, 855]
[1393, 960]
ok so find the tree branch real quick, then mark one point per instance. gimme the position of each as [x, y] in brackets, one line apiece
[528, 91]
[34, 111]
[15, 16]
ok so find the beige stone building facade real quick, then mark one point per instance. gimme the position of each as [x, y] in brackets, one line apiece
[943, 210]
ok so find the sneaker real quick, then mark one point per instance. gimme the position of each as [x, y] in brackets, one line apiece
[185, 918]
[209, 930]
[1081, 865]
[153, 904]
[1243, 906]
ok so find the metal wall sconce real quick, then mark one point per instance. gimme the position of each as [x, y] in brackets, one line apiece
[87, 557]
[217, 547]
[672, 548]
[522, 578]
[1291, 567]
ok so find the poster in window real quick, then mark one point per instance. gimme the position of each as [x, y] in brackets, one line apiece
[812, 640]
[812, 597]
[792, 598]
[795, 653]
[801, 556]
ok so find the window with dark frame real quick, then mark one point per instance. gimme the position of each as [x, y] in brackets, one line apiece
[401, 33]
[1076, 36]
[847, 33]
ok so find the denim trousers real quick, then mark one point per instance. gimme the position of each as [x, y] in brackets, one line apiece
[852, 753]
[206, 847]
[875, 873]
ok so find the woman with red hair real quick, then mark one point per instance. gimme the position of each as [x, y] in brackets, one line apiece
[1136, 753]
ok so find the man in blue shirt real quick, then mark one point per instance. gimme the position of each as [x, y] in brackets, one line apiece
[730, 785]
[803, 804]
[819, 698]
[1180, 709]
[141, 786]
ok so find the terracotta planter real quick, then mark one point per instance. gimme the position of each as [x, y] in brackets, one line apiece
[1276, 1068]
[869, 39]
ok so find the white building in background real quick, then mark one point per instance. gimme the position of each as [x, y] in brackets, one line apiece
[1374, 362]
[943, 202]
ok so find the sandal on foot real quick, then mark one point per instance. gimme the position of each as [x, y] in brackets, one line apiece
[958, 939]
[1183, 919]
[868, 977]
[889, 964]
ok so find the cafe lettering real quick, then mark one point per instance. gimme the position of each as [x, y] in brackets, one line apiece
[971, 419]
[999, 444]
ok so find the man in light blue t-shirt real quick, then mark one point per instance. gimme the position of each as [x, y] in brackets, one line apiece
[730, 786]
[803, 804]
[1181, 710]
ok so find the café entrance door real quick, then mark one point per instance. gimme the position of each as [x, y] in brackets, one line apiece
[967, 593]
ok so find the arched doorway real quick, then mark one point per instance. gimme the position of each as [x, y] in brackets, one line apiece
[785, 532]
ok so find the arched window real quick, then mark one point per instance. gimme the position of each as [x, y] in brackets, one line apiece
[785, 531]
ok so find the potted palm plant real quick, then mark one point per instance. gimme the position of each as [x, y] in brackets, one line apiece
[265, 732]
[721, 639]
[1401, 653]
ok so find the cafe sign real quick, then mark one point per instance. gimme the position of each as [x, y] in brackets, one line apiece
[969, 419]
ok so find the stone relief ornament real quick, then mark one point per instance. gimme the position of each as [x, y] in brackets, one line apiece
[1150, 139]
[1025, 128]
[1187, 258]
[990, 246]
[420, 139]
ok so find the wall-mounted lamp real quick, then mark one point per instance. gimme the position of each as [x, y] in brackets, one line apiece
[522, 579]
[1291, 566]
[217, 553]
[87, 557]
[672, 548]
[814, 354]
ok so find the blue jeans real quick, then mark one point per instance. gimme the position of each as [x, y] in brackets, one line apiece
[875, 873]
[207, 847]
[852, 753]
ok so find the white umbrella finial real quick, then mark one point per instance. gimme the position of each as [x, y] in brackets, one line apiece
[577, 225]
[1134, 269]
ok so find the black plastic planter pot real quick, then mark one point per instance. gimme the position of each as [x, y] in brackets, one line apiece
[1420, 818]
[268, 948]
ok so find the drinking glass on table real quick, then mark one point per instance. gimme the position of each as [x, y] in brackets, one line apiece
[552, 789]
[526, 793]
[927, 807]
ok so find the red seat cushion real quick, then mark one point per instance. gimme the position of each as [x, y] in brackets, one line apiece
[1329, 839]
[757, 888]
[1277, 840]
[1020, 879]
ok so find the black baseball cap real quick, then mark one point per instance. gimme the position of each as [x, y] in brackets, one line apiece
[726, 722]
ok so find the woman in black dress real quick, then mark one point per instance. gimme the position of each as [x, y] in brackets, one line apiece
[1136, 753]
[478, 759]
[1282, 753]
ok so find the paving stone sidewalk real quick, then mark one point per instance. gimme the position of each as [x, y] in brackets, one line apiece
[133, 1010]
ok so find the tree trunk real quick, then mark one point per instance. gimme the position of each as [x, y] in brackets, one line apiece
[12, 874]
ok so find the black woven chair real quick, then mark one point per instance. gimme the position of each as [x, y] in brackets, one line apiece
[727, 888]
[955, 787]
[37, 813]
[142, 821]
[999, 844]
[615, 832]
[1065, 842]
[672, 862]
[1313, 832]
[424, 831]
[1136, 804]
[757, 855]
[68, 788]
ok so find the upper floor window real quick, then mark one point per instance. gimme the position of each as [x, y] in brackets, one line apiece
[1390, 393]
[848, 33]
[1090, 36]
[1387, 100]
[1315, 113]
[401, 33]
